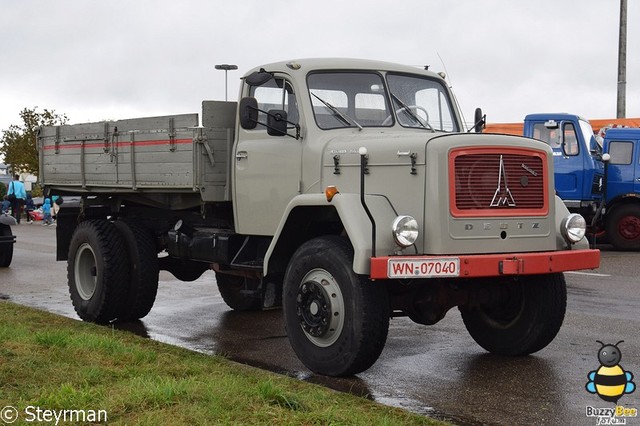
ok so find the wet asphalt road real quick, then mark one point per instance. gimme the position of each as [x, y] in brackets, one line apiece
[436, 370]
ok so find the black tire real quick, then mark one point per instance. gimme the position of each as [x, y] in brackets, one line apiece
[97, 271]
[6, 249]
[337, 321]
[528, 318]
[143, 270]
[623, 227]
[240, 293]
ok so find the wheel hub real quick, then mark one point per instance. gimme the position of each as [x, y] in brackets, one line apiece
[313, 307]
[86, 272]
[629, 227]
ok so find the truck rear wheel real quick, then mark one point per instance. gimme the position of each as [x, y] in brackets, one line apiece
[6, 249]
[623, 227]
[143, 270]
[336, 320]
[526, 319]
[97, 271]
[240, 293]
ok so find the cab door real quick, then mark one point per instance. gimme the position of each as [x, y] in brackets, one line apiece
[622, 170]
[266, 169]
[568, 158]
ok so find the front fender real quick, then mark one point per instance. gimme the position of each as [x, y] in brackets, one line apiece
[8, 220]
[305, 209]
[561, 213]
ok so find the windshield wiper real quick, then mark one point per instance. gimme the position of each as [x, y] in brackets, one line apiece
[343, 117]
[412, 114]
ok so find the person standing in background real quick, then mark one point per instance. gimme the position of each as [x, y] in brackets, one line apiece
[17, 189]
[46, 211]
[29, 207]
[6, 205]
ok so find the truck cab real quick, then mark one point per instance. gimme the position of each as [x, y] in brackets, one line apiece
[622, 191]
[579, 170]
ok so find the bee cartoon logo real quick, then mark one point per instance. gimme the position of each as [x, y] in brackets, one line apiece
[610, 381]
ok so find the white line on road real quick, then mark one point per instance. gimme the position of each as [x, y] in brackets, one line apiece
[593, 274]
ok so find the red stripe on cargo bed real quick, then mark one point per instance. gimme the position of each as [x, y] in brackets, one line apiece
[118, 144]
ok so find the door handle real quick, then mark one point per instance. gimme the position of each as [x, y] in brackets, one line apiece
[241, 154]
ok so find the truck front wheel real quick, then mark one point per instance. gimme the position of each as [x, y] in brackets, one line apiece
[623, 227]
[337, 321]
[97, 271]
[524, 317]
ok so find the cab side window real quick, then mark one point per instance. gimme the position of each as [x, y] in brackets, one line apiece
[570, 139]
[621, 152]
[277, 94]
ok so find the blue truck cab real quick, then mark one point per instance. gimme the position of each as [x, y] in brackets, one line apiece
[605, 189]
[622, 189]
[579, 171]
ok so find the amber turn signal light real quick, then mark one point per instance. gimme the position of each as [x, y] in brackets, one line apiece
[330, 192]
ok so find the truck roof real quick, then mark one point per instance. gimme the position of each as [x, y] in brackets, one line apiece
[310, 64]
[553, 116]
[623, 133]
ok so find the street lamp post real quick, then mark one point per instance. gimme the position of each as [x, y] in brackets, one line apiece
[226, 68]
[622, 63]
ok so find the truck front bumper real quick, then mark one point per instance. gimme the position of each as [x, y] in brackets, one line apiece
[483, 265]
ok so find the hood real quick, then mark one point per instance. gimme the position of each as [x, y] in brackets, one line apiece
[402, 149]
[449, 182]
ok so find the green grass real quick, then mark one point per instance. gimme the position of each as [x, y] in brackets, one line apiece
[56, 363]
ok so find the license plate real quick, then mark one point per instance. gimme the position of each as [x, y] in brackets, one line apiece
[424, 268]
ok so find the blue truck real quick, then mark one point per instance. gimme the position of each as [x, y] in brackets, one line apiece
[595, 175]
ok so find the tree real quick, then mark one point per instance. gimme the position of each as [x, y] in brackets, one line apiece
[19, 144]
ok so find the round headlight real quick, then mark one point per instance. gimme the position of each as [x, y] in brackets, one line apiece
[405, 230]
[573, 228]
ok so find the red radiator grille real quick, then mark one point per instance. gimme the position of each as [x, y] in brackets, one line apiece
[510, 182]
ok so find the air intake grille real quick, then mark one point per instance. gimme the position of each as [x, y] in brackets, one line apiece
[499, 184]
[596, 186]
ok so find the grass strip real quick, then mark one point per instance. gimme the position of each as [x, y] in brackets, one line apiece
[72, 368]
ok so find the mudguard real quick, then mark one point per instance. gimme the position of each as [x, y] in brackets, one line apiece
[357, 225]
[6, 219]
[561, 213]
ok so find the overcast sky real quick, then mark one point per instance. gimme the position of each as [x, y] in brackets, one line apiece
[97, 60]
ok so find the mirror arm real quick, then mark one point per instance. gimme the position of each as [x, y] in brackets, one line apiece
[296, 125]
[482, 121]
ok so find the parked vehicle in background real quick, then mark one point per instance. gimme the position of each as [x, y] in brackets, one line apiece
[7, 240]
[596, 175]
[345, 191]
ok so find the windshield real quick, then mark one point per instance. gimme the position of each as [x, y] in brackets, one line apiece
[349, 99]
[595, 144]
[421, 102]
[361, 99]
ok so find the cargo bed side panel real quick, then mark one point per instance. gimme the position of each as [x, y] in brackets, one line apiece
[154, 153]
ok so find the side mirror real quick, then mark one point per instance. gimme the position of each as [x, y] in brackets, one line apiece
[248, 113]
[277, 122]
[480, 121]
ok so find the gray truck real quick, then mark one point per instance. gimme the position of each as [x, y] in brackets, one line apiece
[346, 192]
